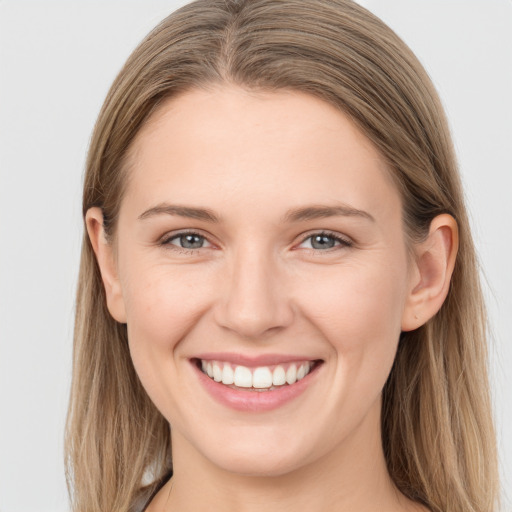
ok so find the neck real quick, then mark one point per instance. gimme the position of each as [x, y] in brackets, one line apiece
[352, 477]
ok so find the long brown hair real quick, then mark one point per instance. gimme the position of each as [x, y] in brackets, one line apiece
[437, 428]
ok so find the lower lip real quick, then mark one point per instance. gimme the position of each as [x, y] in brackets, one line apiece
[255, 401]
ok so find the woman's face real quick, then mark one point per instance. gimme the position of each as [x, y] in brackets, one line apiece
[261, 238]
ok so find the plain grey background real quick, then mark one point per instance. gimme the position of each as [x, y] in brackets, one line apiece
[57, 60]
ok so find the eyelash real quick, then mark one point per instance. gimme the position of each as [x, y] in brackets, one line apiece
[341, 241]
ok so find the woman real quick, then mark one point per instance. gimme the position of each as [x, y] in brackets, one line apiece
[278, 265]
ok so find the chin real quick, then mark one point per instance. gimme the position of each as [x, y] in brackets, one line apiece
[263, 456]
[259, 465]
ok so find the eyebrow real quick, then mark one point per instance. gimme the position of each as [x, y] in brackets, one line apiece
[295, 215]
[322, 212]
[181, 211]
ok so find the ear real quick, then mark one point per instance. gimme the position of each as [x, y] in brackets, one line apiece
[431, 273]
[105, 255]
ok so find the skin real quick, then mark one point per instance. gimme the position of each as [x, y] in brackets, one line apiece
[258, 286]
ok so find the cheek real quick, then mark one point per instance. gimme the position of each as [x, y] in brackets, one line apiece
[358, 310]
[358, 299]
[163, 304]
[163, 301]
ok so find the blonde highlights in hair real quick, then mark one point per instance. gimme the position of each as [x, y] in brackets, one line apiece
[437, 428]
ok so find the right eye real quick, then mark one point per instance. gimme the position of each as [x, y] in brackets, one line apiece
[187, 240]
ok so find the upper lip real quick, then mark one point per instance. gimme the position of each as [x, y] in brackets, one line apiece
[256, 360]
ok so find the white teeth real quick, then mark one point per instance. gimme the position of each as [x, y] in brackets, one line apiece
[262, 378]
[217, 373]
[279, 376]
[243, 377]
[291, 374]
[259, 378]
[227, 375]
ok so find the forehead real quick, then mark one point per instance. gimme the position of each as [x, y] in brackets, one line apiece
[240, 145]
[232, 114]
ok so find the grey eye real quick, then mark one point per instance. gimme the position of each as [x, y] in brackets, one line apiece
[322, 241]
[189, 241]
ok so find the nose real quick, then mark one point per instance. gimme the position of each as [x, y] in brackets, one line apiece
[254, 300]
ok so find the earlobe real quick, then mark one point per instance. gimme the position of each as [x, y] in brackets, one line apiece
[106, 261]
[434, 264]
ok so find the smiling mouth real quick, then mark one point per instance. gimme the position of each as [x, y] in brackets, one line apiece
[261, 378]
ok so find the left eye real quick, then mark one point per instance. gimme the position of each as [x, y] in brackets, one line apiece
[188, 241]
[323, 241]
